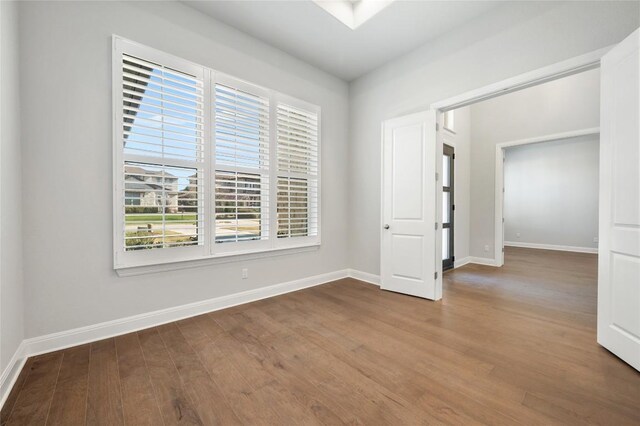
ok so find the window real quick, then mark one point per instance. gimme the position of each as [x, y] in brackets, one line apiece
[449, 121]
[297, 172]
[241, 164]
[207, 165]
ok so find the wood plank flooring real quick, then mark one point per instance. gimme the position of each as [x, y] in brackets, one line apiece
[514, 345]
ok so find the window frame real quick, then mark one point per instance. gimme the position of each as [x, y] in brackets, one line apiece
[209, 250]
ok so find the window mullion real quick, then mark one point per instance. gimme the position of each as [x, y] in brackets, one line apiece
[208, 158]
[170, 162]
[273, 168]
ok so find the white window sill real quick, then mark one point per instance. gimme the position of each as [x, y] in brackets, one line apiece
[129, 271]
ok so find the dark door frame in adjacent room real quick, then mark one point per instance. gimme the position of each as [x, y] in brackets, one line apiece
[448, 154]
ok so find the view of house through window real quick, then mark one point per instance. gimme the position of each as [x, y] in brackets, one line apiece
[161, 206]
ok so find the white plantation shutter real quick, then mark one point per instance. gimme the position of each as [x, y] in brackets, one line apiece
[207, 165]
[297, 154]
[241, 164]
[162, 156]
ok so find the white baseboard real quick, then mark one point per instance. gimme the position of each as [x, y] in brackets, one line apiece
[11, 373]
[482, 261]
[65, 339]
[551, 247]
[458, 263]
[375, 279]
[365, 276]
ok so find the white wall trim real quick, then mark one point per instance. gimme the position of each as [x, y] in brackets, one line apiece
[365, 276]
[461, 262]
[499, 180]
[78, 336]
[551, 247]
[551, 137]
[532, 78]
[213, 260]
[11, 373]
[483, 261]
[375, 279]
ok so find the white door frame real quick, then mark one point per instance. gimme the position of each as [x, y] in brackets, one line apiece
[555, 71]
[499, 180]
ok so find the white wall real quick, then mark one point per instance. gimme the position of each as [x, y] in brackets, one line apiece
[512, 39]
[551, 193]
[11, 289]
[571, 103]
[461, 142]
[67, 170]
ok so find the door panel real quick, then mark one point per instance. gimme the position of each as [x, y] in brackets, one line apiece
[407, 169]
[407, 256]
[626, 173]
[408, 205]
[625, 293]
[619, 251]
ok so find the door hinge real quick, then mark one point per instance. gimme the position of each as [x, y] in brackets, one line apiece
[503, 220]
[453, 207]
[436, 228]
[437, 127]
[503, 249]
[437, 176]
[453, 258]
[453, 157]
[435, 275]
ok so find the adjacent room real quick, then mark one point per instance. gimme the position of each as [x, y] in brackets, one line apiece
[319, 212]
[550, 195]
[522, 170]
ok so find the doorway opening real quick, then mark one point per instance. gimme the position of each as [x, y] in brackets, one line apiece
[546, 193]
[551, 131]
[618, 188]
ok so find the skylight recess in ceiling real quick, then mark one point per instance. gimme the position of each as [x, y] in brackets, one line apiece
[353, 13]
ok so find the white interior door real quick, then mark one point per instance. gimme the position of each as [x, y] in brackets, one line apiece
[408, 252]
[619, 251]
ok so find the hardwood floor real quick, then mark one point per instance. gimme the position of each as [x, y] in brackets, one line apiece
[509, 345]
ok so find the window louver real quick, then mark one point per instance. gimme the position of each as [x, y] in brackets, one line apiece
[241, 165]
[297, 154]
[162, 136]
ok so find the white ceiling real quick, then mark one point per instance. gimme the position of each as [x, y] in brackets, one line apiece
[305, 30]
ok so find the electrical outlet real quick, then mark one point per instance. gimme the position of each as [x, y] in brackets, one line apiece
[595, 239]
[517, 235]
[486, 248]
[245, 273]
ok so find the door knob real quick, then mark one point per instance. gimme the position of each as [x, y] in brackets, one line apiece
[386, 226]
